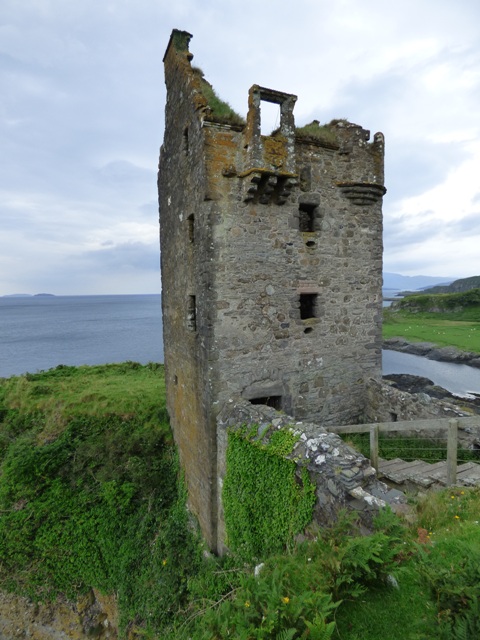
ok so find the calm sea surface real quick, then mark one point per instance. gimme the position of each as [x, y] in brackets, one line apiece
[457, 378]
[42, 332]
[38, 333]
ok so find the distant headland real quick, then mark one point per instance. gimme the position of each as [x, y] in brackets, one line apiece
[29, 295]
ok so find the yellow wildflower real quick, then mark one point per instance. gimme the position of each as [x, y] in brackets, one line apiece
[247, 603]
[457, 517]
[285, 600]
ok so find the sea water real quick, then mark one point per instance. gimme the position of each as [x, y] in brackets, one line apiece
[41, 332]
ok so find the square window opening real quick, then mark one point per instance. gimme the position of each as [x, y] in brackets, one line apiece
[306, 222]
[308, 303]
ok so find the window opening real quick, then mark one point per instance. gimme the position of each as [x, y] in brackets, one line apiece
[307, 217]
[271, 401]
[269, 117]
[192, 314]
[185, 141]
[191, 228]
[307, 305]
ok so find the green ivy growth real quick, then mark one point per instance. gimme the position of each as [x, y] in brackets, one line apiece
[265, 503]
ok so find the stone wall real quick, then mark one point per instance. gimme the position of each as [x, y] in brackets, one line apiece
[186, 279]
[344, 479]
[388, 404]
[271, 250]
[385, 403]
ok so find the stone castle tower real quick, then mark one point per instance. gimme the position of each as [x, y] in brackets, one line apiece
[271, 255]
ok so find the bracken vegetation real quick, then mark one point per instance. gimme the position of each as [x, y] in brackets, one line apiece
[91, 496]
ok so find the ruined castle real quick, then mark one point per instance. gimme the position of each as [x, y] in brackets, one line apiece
[271, 257]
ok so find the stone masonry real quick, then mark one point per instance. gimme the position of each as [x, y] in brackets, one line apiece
[271, 254]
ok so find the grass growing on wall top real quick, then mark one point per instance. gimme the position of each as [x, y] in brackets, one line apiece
[319, 133]
[221, 111]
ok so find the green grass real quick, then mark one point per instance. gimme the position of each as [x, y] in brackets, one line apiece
[321, 133]
[221, 111]
[90, 492]
[128, 389]
[461, 329]
[405, 612]
[91, 496]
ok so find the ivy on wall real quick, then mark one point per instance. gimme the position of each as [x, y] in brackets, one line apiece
[265, 503]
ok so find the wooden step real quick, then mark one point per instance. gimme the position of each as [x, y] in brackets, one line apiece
[426, 474]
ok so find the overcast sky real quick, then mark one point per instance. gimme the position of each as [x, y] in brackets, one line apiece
[81, 121]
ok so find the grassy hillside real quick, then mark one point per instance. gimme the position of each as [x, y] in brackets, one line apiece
[443, 319]
[89, 490]
[91, 496]
[458, 286]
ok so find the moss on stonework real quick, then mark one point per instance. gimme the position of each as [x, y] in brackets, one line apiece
[180, 40]
[265, 502]
[220, 111]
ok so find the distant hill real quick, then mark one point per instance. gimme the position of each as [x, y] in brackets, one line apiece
[412, 283]
[458, 286]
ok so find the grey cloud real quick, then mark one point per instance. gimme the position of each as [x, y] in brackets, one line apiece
[412, 167]
[124, 173]
[403, 230]
[466, 226]
[125, 256]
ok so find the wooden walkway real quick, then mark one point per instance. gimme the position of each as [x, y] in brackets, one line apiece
[426, 475]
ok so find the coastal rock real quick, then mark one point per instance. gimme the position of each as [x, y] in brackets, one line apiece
[433, 352]
[420, 385]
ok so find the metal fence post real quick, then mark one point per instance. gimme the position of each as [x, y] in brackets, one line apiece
[374, 446]
[452, 452]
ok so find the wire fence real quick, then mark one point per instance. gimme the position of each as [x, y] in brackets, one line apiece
[407, 448]
[384, 440]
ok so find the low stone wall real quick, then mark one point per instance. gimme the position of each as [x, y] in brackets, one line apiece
[343, 477]
[385, 403]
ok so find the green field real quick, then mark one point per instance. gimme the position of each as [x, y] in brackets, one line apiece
[91, 495]
[461, 330]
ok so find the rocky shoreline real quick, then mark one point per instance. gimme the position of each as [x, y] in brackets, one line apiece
[419, 384]
[433, 352]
